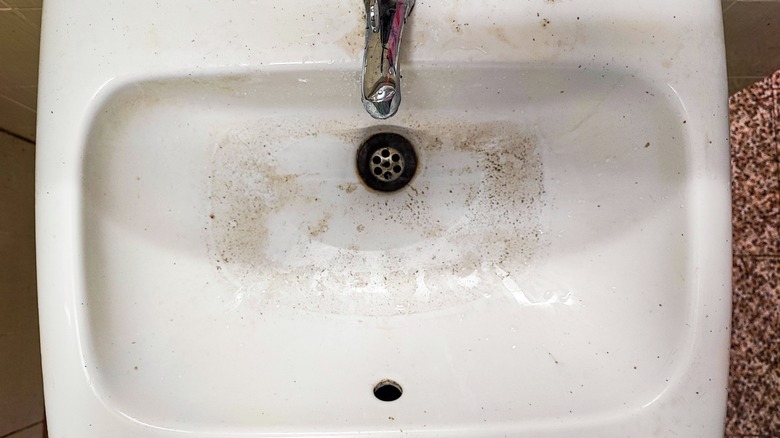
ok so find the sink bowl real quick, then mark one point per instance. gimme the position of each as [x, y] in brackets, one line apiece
[557, 266]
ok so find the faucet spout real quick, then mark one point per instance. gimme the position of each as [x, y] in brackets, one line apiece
[385, 19]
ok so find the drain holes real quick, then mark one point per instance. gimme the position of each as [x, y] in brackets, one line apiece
[386, 162]
[382, 162]
[388, 390]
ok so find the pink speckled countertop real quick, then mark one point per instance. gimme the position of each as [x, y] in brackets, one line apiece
[754, 382]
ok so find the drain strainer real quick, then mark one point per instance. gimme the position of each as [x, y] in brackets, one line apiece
[386, 162]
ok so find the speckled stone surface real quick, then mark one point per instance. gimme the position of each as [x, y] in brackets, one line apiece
[754, 381]
[754, 384]
[755, 117]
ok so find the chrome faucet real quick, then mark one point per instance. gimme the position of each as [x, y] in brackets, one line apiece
[385, 21]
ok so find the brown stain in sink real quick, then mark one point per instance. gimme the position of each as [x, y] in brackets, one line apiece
[288, 232]
[349, 188]
[322, 226]
[500, 34]
[354, 40]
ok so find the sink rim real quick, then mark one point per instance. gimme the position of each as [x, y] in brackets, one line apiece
[56, 194]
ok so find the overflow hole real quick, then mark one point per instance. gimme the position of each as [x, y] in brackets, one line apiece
[388, 390]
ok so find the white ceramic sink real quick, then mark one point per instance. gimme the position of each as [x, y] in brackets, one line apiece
[210, 263]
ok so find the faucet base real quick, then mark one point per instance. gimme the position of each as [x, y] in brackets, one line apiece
[385, 21]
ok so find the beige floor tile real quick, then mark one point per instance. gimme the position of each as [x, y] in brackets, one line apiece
[21, 394]
[752, 34]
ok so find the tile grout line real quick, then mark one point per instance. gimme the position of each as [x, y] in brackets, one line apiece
[21, 16]
[18, 137]
[33, 110]
[12, 433]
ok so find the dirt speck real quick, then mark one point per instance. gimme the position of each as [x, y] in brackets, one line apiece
[458, 27]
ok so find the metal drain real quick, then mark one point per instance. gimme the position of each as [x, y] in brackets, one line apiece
[386, 162]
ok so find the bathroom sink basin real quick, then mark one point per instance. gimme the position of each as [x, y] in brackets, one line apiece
[211, 263]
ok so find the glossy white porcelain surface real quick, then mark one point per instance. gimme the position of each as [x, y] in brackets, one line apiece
[210, 264]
